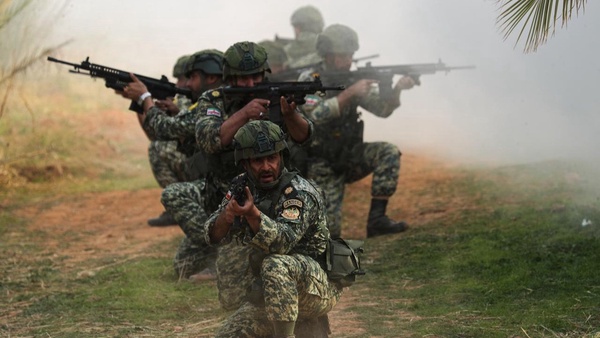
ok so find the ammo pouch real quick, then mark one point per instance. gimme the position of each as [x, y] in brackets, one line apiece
[195, 166]
[338, 141]
[342, 263]
[298, 158]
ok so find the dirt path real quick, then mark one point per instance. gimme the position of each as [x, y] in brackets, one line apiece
[97, 228]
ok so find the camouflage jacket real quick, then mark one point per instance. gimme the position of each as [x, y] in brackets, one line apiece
[337, 131]
[324, 109]
[180, 127]
[293, 220]
[302, 46]
[212, 110]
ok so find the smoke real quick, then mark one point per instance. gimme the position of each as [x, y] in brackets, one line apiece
[512, 108]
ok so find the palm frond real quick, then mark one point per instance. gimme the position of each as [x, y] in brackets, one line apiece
[539, 17]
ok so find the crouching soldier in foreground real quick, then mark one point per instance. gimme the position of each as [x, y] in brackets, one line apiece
[282, 217]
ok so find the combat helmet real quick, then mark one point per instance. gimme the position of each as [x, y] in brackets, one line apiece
[337, 39]
[308, 19]
[275, 52]
[209, 61]
[258, 138]
[179, 68]
[245, 58]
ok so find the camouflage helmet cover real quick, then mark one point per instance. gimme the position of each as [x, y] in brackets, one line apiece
[337, 39]
[275, 52]
[179, 68]
[209, 61]
[258, 138]
[308, 19]
[245, 58]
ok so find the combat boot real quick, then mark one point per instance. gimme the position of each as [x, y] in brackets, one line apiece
[165, 219]
[383, 226]
[379, 223]
[283, 329]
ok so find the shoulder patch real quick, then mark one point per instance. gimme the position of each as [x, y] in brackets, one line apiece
[215, 93]
[213, 112]
[291, 213]
[312, 100]
[292, 202]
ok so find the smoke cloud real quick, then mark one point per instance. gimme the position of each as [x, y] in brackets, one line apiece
[512, 108]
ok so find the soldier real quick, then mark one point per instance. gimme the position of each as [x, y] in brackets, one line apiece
[244, 65]
[307, 22]
[277, 56]
[204, 71]
[284, 224]
[338, 154]
[166, 162]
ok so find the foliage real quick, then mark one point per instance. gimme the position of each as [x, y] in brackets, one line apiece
[25, 27]
[538, 16]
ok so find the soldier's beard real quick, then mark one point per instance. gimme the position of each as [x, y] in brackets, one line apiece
[266, 186]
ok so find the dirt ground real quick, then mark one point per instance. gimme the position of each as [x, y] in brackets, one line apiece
[101, 226]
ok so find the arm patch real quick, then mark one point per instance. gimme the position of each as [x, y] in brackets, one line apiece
[292, 202]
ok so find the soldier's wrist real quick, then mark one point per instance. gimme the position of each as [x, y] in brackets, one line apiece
[142, 97]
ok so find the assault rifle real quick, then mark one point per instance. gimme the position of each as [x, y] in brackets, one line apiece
[293, 92]
[292, 74]
[118, 79]
[237, 191]
[385, 74]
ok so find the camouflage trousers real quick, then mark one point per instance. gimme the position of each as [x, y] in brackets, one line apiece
[382, 159]
[234, 276]
[183, 201]
[295, 288]
[166, 162]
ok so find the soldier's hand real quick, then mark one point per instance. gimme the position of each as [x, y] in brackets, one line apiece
[287, 109]
[121, 93]
[168, 105]
[247, 210]
[361, 88]
[256, 109]
[405, 83]
[135, 88]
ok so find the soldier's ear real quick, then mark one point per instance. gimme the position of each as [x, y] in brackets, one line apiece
[245, 165]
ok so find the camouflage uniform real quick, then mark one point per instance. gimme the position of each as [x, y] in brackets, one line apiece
[301, 51]
[293, 235]
[183, 200]
[212, 112]
[339, 156]
[166, 161]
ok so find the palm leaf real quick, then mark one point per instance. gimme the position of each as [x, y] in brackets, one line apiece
[540, 16]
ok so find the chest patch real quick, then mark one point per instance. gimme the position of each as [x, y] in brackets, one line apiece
[291, 213]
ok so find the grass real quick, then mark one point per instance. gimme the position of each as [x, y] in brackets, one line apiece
[525, 267]
[520, 264]
[494, 252]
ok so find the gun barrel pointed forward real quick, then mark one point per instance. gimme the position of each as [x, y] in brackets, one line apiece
[118, 79]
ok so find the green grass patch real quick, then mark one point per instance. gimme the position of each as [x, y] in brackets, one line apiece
[524, 266]
[136, 297]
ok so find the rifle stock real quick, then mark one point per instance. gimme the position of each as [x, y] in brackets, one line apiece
[118, 79]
